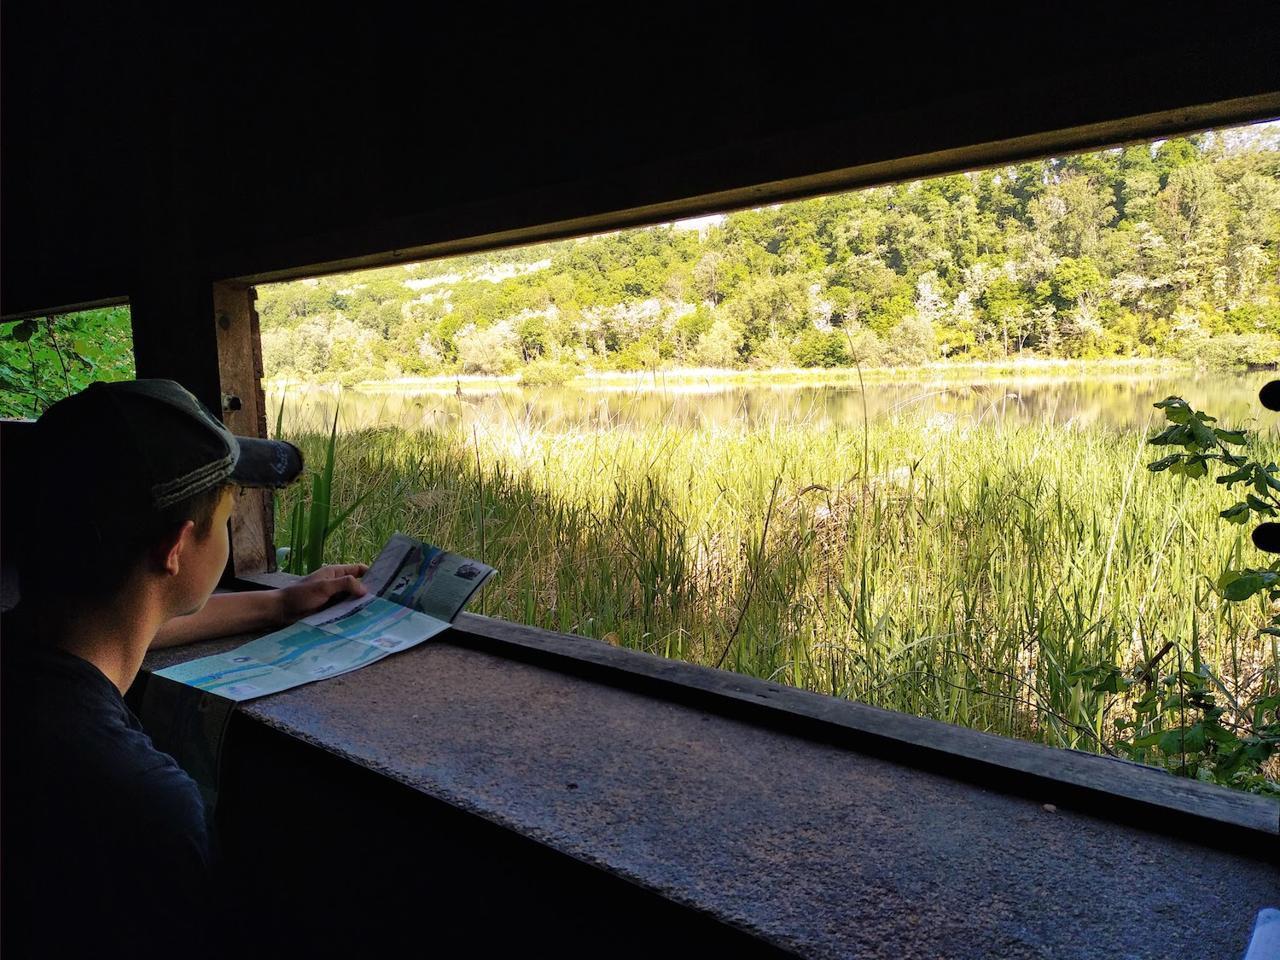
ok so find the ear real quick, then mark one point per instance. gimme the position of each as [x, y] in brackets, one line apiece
[175, 545]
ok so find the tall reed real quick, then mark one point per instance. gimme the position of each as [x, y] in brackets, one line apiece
[951, 569]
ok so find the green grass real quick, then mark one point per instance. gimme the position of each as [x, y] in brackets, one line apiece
[962, 572]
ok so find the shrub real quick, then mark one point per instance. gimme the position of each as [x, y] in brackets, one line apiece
[1232, 350]
[911, 343]
[638, 355]
[821, 348]
[772, 354]
[490, 351]
[548, 373]
[865, 347]
[720, 346]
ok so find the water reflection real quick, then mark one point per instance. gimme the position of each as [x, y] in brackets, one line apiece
[1109, 401]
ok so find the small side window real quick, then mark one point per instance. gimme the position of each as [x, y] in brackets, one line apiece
[46, 358]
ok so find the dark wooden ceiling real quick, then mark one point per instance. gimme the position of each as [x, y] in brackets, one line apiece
[140, 151]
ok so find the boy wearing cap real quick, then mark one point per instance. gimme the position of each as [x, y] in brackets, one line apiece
[105, 847]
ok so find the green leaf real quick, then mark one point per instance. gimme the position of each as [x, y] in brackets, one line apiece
[1261, 506]
[1201, 435]
[1113, 683]
[1170, 436]
[1164, 463]
[1176, 410]
[297, 539]
[1238, 585]
[1239, 513]
[1231, 436]
[24, 331]
[1193, 738]
[1236, 476]
[1263, 707]
[1193, 469]
[87, 349]
[1171, 742]
[1219, 734]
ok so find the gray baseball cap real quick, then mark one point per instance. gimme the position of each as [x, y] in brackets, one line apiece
[139, 446]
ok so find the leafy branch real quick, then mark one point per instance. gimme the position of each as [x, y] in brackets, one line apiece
[1177, 719]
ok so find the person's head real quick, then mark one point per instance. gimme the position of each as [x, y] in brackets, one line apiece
[133, 485]
[187, 547]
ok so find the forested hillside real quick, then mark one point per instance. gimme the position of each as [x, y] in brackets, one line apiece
[1152, 250]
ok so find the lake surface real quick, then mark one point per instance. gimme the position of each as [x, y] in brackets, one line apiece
[1108, 400]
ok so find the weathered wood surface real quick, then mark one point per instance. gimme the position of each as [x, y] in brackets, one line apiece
[240, 373]
[1115, 789]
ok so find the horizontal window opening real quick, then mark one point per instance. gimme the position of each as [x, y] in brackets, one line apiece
[889, 445]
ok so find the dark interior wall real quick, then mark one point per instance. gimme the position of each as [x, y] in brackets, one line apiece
[148, 152]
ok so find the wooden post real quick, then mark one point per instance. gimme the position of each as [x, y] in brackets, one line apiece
[244, 411]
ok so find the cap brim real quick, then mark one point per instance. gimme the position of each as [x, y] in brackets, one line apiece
[266, 463]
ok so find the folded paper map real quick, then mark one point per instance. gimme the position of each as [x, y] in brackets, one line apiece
[415, 592]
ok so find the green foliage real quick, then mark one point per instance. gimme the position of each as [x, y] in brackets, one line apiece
[722, 345]
[773, 354]
[642, 354]
[1225, 351]
[821, 348]
[489, 351]
[312, 521]
[547, 373]
[44, 359]
[1179, 719]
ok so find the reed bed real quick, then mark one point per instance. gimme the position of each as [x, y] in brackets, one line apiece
[944, 567]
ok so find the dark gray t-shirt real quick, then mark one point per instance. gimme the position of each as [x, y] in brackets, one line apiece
[105, 846]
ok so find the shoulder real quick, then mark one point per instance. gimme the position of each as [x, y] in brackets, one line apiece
[149, 787]
[68, 735]
[166, 803]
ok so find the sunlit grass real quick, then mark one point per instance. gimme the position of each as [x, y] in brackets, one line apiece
[948, 568]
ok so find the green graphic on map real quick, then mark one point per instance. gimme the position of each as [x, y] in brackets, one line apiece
[415, 592]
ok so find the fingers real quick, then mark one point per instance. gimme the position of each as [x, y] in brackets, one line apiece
[316, 592]
[333, 586]
[337, 570]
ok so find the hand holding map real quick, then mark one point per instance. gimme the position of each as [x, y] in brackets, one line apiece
[415, 591]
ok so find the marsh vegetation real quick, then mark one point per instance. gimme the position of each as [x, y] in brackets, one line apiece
[970, 553]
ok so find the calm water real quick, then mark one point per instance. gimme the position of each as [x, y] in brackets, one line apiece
[1117, 401]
